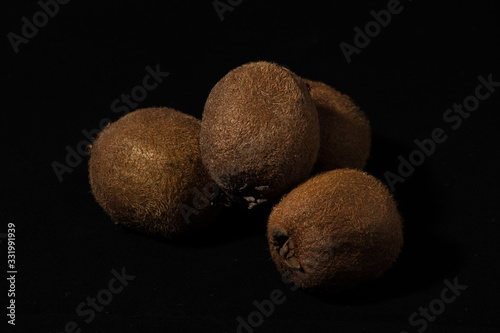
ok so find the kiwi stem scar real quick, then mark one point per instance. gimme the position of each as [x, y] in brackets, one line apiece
[285, 247]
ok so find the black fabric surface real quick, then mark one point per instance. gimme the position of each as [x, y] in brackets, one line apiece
[65, 81]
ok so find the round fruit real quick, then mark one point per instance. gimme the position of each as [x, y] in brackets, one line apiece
[345, 130]
[259, 133]
[339, 229]
[145, 171]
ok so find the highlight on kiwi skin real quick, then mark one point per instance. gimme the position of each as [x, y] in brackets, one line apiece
[145, 171]
[336, 231]
[260, 132]
[345, 129]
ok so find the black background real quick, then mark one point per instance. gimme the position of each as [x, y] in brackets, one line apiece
[65, 79]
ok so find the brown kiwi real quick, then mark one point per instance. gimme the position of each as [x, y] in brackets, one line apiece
[337, 230]
[345, 130]
[145, 171]
[259, 132]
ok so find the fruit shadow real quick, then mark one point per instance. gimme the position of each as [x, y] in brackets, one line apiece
[234, 223]
[426, 258]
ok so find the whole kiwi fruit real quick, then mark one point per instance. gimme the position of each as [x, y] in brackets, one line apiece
[145, 171]
[337, 230]
[259, 133]
[345, 130]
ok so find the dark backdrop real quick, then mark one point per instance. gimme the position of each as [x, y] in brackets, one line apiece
[64, 80]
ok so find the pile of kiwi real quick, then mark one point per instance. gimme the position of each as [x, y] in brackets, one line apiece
[266, 136]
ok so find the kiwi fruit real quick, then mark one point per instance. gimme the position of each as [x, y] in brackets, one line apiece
[337, 230]
[259, 133]
[145, 171]
[345, 130]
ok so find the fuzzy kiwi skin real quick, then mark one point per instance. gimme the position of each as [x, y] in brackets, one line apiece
[259, 133]
[345, 129]
[337, 230]
[144, 166]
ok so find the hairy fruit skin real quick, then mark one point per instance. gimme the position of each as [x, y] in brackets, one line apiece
[337, 230]
[345, 129]
[147, 164]
[260, 132]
